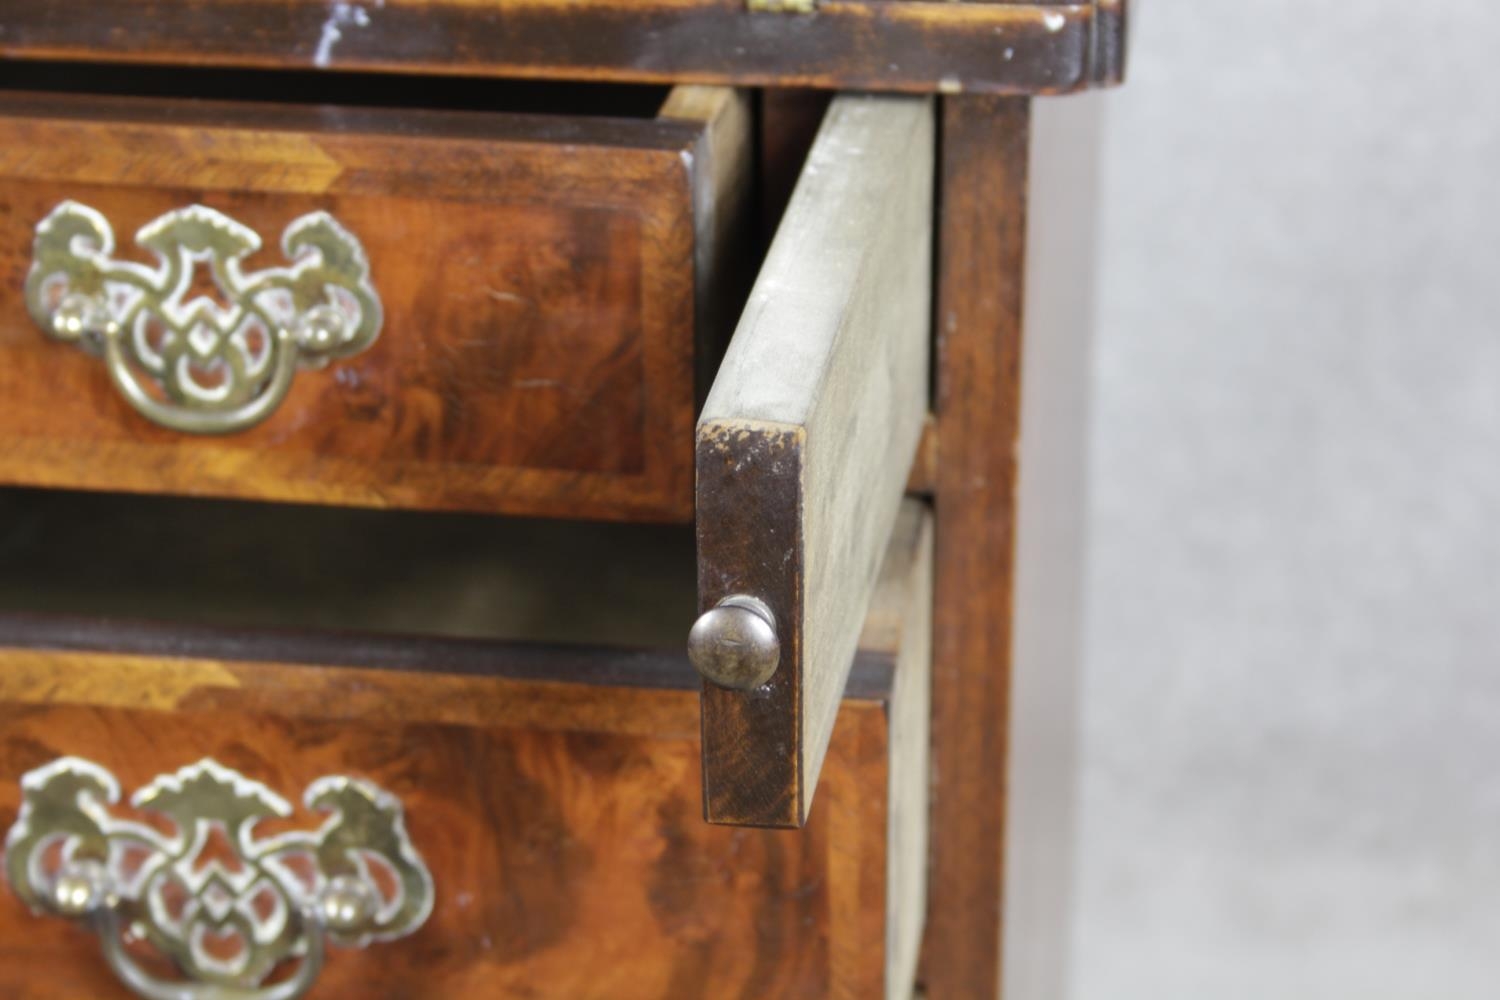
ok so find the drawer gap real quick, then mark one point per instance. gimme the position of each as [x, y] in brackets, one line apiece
[383, 90]
[242, 565]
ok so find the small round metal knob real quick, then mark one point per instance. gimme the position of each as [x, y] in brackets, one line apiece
[346, 905]
[321, 329]
[75, 316]
[735, 644]
[78, 889]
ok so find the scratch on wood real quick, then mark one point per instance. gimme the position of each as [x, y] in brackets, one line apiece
[500, 296]
[340, 16]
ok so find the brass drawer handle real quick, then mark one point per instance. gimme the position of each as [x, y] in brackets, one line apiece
[228, 906]
[182, 359]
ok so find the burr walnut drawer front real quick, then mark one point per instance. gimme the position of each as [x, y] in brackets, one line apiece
[357, 815]
[436, 309]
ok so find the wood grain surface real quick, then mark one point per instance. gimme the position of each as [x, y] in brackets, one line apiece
[1041, 46]
[537, 273]
[806, 440]
[560, 819]
[560, 823]
[980, 291]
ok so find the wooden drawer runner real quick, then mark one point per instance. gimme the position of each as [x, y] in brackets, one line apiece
[561, 821]
[544, 283]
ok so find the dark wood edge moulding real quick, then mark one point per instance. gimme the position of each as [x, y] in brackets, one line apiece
[586, 665]
[915, 46]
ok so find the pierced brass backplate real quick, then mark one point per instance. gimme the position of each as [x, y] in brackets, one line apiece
[228, 906]
[183, 359]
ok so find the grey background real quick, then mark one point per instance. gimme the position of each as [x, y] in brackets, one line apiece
[1291, 739]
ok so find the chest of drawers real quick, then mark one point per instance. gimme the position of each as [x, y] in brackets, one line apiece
[310, 312]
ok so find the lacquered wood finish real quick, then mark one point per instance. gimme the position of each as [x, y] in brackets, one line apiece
[538, 278]
[559, 822]
[990, 46]
[981, 260]
[552, 792]
[806, 440]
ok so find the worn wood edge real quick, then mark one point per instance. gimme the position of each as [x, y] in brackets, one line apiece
[910, 761]
[816, 267]
[519, 661]
[868, 415]
[749, 529]
[982, 222]
[722, 165]
[129, 467]
[579, 664]
[642, 693]
[121, 678]
[821, 339]
[914, 47]
[49, 676]
[695, 103]
[922, 479]
[1110, 32]
[663, 133]
[855, 820]
[889, 618]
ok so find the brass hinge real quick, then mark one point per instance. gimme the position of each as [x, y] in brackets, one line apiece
[782, 6]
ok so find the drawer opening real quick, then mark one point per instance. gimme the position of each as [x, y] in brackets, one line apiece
[175, 578]
[516, 793]
[250, 566]
[366, 90]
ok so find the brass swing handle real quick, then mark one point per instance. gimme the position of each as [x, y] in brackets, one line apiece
[184, 361]
[280, 900]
